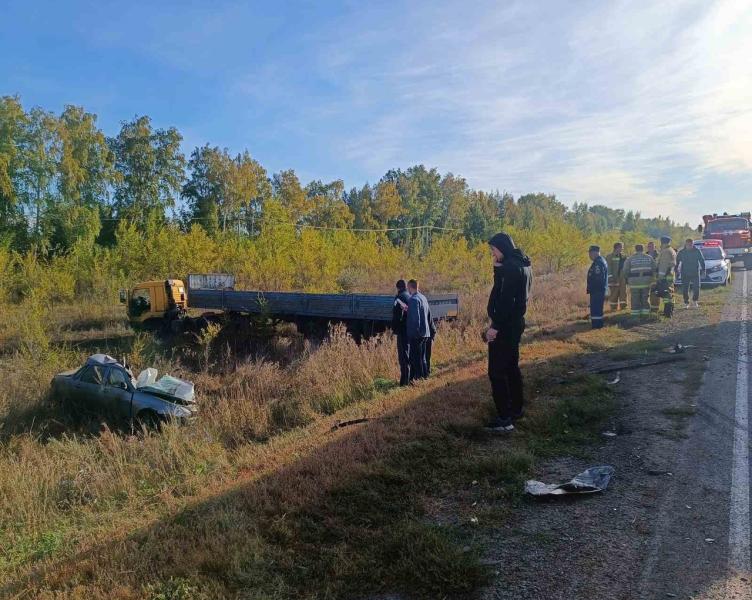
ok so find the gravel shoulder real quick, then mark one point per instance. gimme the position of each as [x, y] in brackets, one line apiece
[660, 530]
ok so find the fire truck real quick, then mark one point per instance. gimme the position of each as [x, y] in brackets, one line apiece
[734, 233]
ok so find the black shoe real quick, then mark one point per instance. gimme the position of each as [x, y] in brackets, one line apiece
[499, 425]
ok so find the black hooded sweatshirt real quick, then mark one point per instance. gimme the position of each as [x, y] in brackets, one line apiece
[513, 279]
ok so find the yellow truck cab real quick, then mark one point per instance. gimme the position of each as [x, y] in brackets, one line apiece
[153, 302]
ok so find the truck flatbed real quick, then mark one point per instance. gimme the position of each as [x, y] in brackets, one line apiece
[295, 305]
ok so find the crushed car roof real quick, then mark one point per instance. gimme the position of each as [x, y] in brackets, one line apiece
[102, 359]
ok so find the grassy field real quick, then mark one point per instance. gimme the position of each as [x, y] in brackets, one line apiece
[260, 498]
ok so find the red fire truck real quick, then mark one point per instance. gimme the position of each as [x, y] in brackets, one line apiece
[734, 232]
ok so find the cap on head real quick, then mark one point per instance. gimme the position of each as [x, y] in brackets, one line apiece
[665, 239]
[401, 285]
[503, 242]
[594, 248]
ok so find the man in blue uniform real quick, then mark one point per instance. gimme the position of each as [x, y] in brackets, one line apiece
[418, 330]
[597, 286]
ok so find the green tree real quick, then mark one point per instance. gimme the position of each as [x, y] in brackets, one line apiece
[327, 205]
[482, 220]
[151, 169]
[455, 201]
[85, 172]
[288, 191]
[13, 122]
[201, 191]
[40, 154]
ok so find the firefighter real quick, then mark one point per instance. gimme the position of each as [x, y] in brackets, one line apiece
[597, 286]
[664, 284]
[616, 286]
[651, 251]
[639, 273]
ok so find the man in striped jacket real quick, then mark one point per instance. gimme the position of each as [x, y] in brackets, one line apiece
[639, 273]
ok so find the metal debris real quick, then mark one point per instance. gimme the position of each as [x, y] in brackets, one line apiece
[638, 364]
[592, 480]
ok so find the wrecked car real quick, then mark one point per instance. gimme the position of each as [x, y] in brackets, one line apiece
[105, 386]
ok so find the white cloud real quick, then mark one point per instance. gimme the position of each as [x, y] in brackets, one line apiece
[628, 104]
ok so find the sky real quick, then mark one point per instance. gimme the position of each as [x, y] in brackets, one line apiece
[640, 105]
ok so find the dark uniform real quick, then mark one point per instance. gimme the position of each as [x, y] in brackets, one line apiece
[399, 327]
[692, 265]
[418, 331]
[429, 342]
[507, 306]
[597, 288]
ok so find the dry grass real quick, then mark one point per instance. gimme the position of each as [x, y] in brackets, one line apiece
[122, 506]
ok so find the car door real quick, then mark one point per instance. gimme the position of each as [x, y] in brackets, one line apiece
[88, 388]
[118, 392]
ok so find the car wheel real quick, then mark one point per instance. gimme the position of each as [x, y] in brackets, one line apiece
[149, 420]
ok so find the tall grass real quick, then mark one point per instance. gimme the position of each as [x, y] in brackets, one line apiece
[69, 483]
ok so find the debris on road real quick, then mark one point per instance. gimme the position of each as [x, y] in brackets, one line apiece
[638, 364]
[678, 348]
[594, 479]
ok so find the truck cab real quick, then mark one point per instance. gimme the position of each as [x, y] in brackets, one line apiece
[154, 302]
[733, 232]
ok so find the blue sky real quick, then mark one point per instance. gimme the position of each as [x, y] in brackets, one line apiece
[643, 105]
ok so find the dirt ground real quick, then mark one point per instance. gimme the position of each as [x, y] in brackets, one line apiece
[660, 530]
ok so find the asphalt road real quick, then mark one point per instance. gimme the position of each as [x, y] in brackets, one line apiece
[700, 543]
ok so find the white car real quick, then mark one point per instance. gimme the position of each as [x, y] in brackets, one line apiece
[717, 265]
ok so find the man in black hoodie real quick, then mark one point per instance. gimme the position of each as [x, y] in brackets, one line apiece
[507, 304]
[399, 327]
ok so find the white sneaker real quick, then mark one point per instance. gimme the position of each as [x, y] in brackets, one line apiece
[695, 304]
[686, 306]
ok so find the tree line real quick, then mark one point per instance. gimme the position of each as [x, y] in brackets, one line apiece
[63, 182]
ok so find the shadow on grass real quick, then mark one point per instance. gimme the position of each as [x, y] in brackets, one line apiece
[350, 517]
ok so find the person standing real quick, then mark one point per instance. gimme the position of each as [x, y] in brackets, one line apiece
[691, 264]
[616, 285]
[399, 327]
[597, 286]
[429, 341]
[639, 274]
[664, 285]
[507, 305]
[418, 330]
